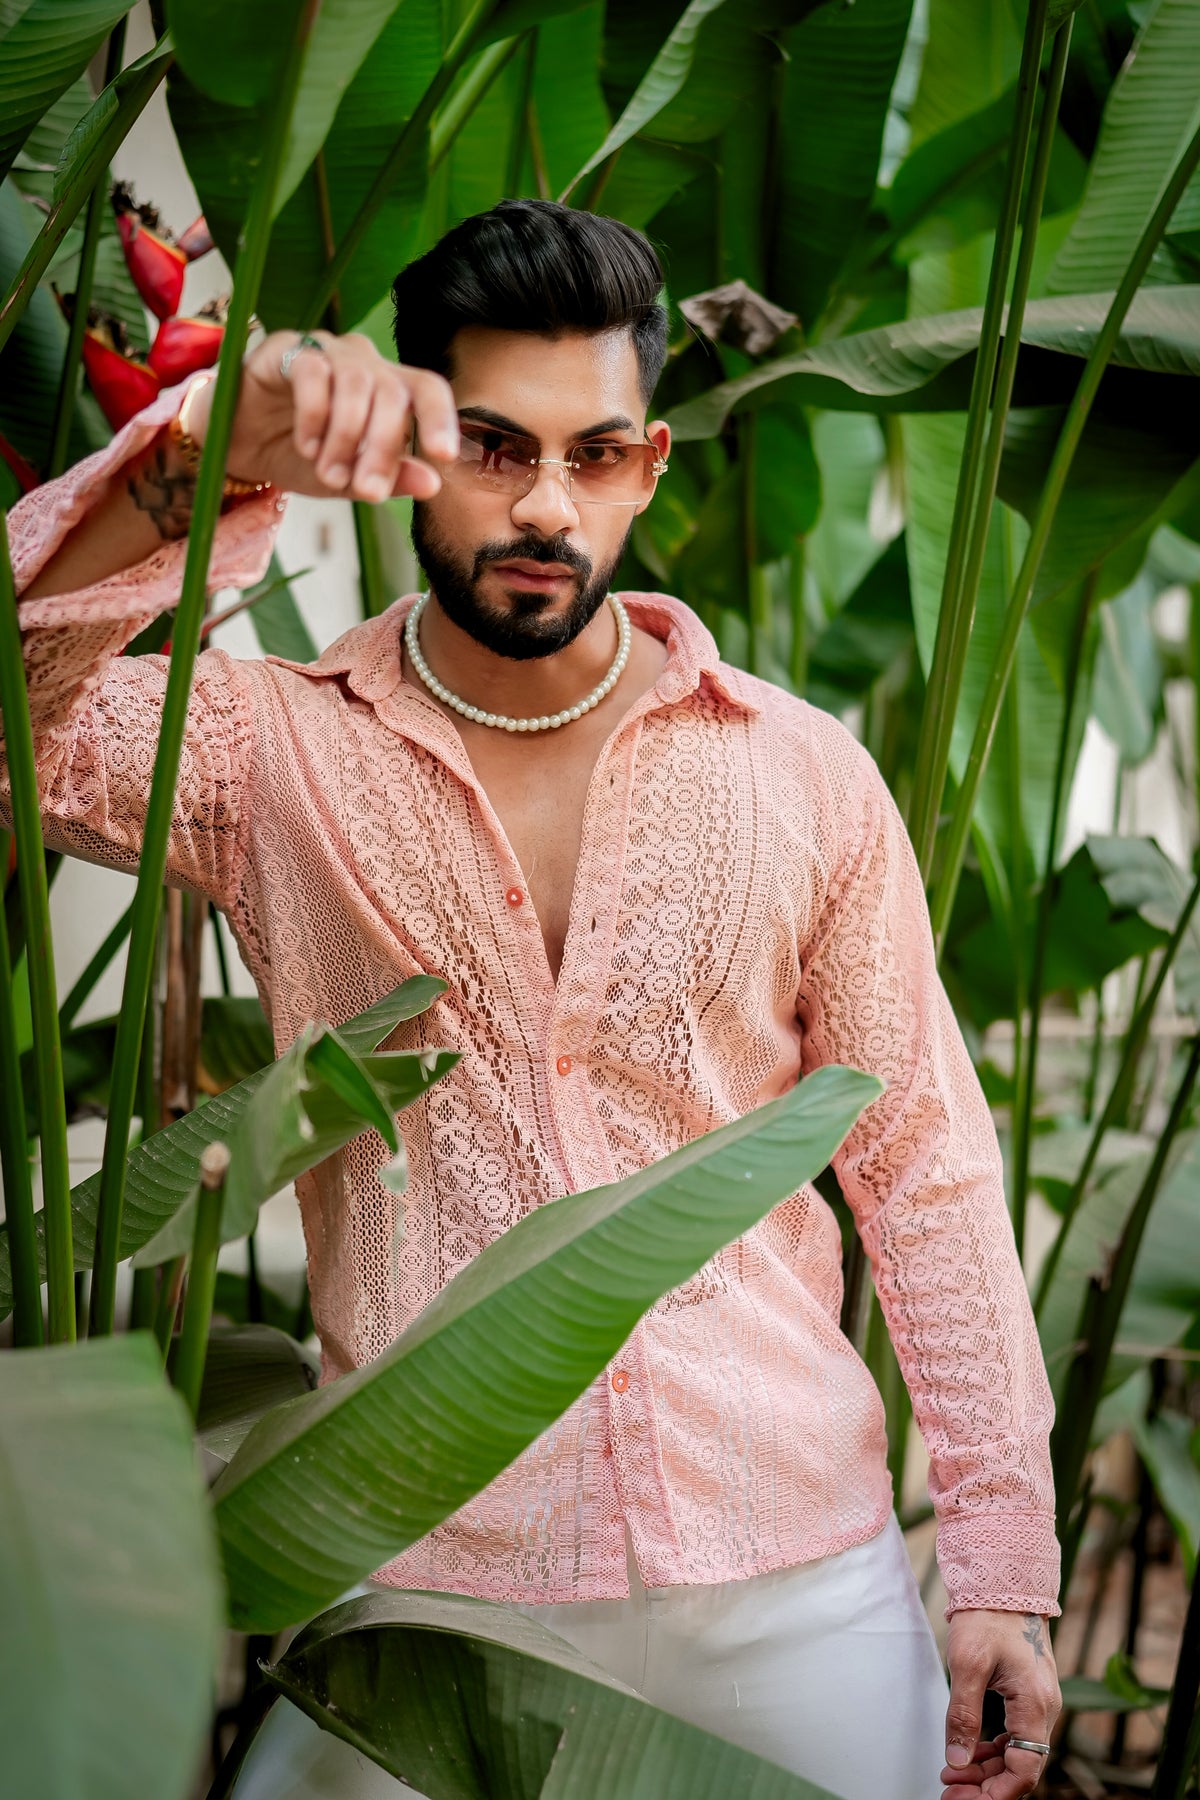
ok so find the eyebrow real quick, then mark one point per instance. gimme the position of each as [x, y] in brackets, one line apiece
[483, 415]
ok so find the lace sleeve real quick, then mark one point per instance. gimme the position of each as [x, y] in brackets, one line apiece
[96, 716]
[923, 1174]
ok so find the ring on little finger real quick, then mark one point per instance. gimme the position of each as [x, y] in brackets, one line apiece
[306, 341]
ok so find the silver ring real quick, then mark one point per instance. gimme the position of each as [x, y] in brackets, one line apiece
[306, 341]
[1027, 1744]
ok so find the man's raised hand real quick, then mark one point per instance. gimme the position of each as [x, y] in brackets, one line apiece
[338, 422]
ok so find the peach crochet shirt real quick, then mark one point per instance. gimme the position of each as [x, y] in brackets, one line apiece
[746, 908]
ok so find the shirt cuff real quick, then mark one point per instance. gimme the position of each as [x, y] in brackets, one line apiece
[1008, 1561]
[40, 522]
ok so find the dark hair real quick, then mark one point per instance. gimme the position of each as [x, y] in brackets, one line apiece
[532, 265]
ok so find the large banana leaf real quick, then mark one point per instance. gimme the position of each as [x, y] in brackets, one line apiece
[971, 57]
[462, 1699]
[925, 364]
[44, 46]
[112, 1610]
[836, 85]
[162, 1170]
[1151, 113]
[1138, 876]
[1169, 1445]
[329, 1486]
[248, 1369]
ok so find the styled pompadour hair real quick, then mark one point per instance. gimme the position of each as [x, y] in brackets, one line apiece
[536, 266]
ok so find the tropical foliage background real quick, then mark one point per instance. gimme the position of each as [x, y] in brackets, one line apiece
[974, 536]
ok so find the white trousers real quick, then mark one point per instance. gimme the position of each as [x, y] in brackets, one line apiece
[829, 1669]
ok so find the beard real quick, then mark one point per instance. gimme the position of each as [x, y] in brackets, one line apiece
[521, 631]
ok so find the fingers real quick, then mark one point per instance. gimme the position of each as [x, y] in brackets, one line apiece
[354, 416]
[970, 1671]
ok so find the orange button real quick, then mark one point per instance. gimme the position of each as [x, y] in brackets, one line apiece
[620, 1380]
[514, 896]
[564, 1065]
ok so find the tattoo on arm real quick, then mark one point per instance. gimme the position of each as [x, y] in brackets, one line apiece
[1033, 1633]
[165, 492]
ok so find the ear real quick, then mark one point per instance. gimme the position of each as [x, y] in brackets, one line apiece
[659, 433]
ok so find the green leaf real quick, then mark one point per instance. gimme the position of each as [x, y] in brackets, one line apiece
[837, 80]
[1151, 113]
[44, 46]
[925, 364]
[219, 144]
[787, 481]
[971, 57]
[1138, 876]
[1167, 1444]
[307, 1506]
[317, 1097]
[1164, 1295]
[495, 1703]
[110, 1582]
[1119, 1692]
[658, 87]
[1127, 691]
[92, 125]
[248, 1370]
[235, 1040]
[162, 1170]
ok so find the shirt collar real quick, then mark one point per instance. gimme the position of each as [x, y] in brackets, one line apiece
[367, 657]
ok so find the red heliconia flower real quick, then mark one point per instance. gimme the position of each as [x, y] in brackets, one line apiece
[156, 265]
[121, 385]
[196, 240]
[181, 346]
[26, 475]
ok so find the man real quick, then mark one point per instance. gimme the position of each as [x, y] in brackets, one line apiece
[660, 891]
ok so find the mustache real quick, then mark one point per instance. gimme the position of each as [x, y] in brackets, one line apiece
[532, 548]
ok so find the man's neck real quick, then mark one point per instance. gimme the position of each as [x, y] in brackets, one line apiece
[501, 684]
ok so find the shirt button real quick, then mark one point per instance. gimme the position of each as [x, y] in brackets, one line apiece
[564, 1065]
[514, 896]
[620, 1380]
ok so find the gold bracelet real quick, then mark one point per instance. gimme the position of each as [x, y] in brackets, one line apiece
[190, 452]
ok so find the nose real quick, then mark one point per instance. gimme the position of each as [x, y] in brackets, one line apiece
[548, 507]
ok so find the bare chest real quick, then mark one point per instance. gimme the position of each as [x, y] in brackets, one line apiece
[539, 794]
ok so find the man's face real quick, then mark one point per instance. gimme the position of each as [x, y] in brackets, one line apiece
[524, 574]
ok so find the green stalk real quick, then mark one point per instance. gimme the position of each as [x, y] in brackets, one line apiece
[410, 147]
[72, 192]
[1001, 401]
[14, 1157]
[1101, 1314]
[167, 1304]
[1118, 1094]
[522, 120]
[189, 619]
[1043, 520]
[798, 659]
[1024, 1094]
[371, 583]
[1181, 1733]
[69, 1009]
[190, 1358]
[758, 611]
[465, 99]
[39, 960]
[68, 387]
[957, 603]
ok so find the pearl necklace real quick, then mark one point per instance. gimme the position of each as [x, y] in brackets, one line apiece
[548, 722]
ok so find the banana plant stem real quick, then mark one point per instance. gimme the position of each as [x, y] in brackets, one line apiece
[189, 619]
[68, 387]
[1135, 1040]
[409, 148]
[14, 1158]
[39, 960]
[1101, 1312]
[1181, 1733]
[371, 584]
[798, 658]
[1025, 1093]
[1043, 520]
[465, 99]
[954, 618]
[964, 609]
[91, 167]
[188, 1374]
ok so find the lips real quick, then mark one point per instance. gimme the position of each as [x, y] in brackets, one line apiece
[537, 574]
